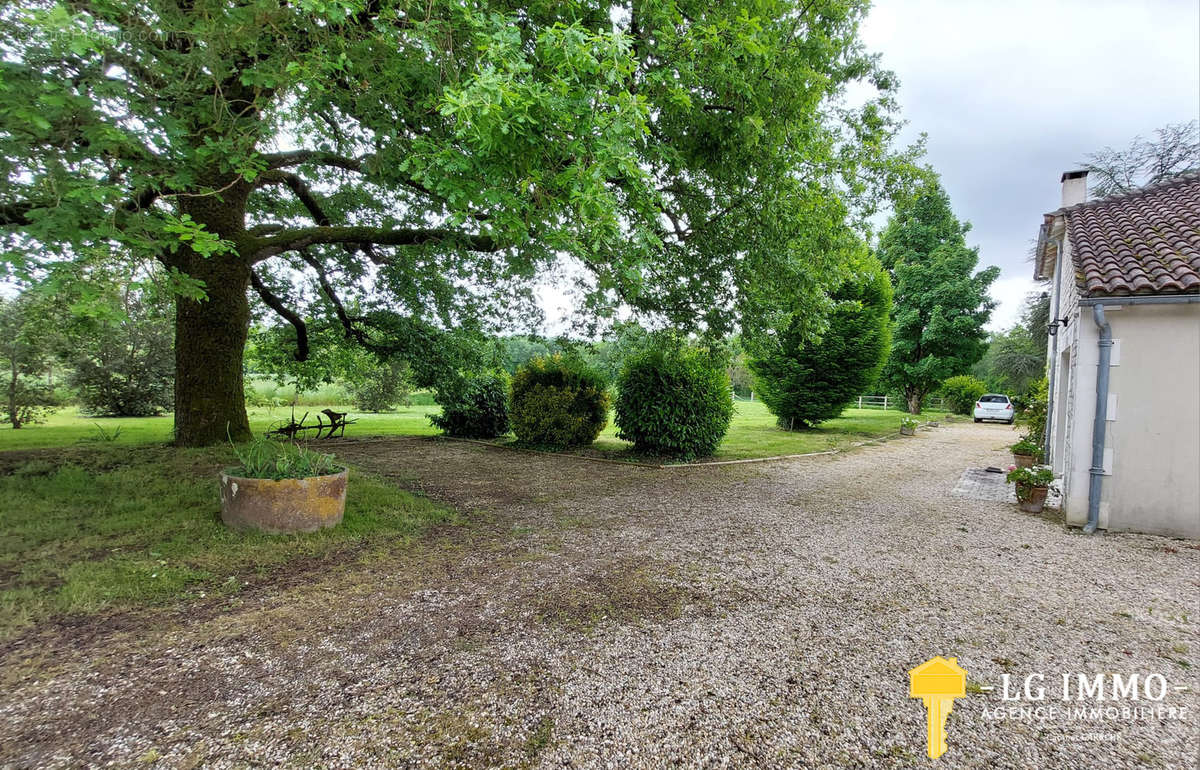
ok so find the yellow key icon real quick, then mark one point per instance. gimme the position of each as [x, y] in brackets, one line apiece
[937, 682]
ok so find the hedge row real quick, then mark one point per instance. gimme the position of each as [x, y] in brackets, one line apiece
[672, 403]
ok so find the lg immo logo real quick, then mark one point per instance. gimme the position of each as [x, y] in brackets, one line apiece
[1086, 700]
[937, 682]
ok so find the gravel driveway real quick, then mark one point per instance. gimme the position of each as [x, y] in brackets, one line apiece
[602, 616]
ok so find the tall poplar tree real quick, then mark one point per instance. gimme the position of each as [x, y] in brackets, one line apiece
[941, 301]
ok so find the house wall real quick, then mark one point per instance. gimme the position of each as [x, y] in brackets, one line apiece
[1154, 435]
[1152, 442]
[1079, 393]
[1070, 382]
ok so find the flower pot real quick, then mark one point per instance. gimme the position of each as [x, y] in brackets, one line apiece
[1031, 499]
[905, 431]
[284, 505]
[1023, 461]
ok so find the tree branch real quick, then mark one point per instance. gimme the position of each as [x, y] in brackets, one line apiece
[352, 331]
[301, 190]
[277, 305]
[292, 240]
[276, 160]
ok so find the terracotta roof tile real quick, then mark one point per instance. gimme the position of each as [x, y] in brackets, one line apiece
[1146, 242]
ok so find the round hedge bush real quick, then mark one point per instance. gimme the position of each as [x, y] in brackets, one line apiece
[474, 405]
[673, 403]
[962, 392]
[558, 402]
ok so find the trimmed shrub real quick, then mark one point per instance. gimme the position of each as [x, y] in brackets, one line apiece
[474, 405]
[558, 402]
[806, 382]
[962, 392]
[673, 403]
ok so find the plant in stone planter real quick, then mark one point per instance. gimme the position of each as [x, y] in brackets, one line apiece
[908, 426]
[280, 488]
[1033, 484]
[1026, 453]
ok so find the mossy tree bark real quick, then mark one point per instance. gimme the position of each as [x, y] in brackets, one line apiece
[210, 334]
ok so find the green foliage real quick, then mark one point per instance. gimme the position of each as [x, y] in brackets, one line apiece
[381, 387]
[1016, 358]
[24, 355]
[123, 362]
[263, 458]
[474, 405]
[1033, 416]
[102, 436]
[271, 352]
[518, 350]
[805, 381]
[265, 393]
[941, 304]
[703, 162]
[673, 402]
[1027, 447]
[1028, 478]
[623, 341]
[558, 401]
[962, 392]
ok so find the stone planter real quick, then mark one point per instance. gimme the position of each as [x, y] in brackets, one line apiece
[1023, 461]
[283, 506]
[906, 431]
[1035, 498]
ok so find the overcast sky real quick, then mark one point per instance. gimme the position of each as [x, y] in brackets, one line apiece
[1013, 93]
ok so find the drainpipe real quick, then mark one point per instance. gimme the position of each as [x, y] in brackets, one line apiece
[1058, 259]
[1099, 423]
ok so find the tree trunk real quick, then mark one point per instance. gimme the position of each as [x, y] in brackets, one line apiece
[14, 414]
[913, 399]
[210, 341]
[210, 334]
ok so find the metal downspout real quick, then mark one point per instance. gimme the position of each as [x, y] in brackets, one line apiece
[1099, 424]
[1053, 355]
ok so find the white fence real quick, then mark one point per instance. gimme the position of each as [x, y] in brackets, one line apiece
[887, 402]
[876, 402]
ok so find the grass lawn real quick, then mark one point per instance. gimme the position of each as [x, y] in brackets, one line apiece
[754, 433]
[68, 427]
[88, 529]
[130, 522]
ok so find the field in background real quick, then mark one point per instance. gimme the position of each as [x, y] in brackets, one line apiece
[753, 432]
[67, 427]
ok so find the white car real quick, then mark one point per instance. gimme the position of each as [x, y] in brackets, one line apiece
[994, 406]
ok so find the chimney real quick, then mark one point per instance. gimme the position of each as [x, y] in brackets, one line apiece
[1074, 187]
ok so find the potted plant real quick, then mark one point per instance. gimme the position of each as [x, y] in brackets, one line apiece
[281, 488]
[1032, 486]
[908, 426]
[1026, 453]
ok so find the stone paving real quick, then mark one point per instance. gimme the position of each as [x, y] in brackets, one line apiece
[982, 484]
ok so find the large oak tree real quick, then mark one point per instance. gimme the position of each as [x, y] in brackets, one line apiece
[419, 164]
